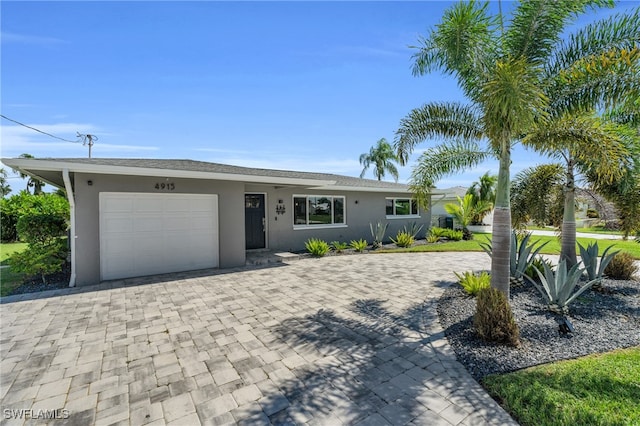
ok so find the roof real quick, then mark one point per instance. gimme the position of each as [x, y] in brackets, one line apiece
[50, 170]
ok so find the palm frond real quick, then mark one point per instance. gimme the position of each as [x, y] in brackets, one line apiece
[461, 44]
[618, 32]
[442, 160]
[537, 25]
[446, 120]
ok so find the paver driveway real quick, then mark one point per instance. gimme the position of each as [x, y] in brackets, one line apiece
[338, 340]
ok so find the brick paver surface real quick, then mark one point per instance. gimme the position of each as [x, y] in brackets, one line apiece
[350, 339]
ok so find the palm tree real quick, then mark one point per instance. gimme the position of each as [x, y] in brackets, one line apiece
[502, 70]
[382, 156]
[466, 209]
[536, 195]
[34, 183]
[5, 189]
[483, 191]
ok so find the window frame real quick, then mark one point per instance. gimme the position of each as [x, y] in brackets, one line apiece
[307, 225]
[412, 202]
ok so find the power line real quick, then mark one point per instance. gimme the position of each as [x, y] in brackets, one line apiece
[40, 131]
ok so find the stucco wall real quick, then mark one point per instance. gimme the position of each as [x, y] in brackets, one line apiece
[230, 219]
[370, 208]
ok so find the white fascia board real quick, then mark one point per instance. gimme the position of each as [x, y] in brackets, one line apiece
[23, 163]
[364, 189]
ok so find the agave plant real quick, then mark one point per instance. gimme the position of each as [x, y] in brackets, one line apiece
[412, 229]
[589, 256]
[523, 254]
[559, 288]
[378, 234]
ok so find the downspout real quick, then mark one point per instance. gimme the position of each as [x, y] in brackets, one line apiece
[72, 219]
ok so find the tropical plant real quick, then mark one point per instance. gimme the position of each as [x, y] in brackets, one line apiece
[378, 233]
[32, 182]
[453, 234]
[522, 254]
[338, 246]
[438, 232]
[483, 191]
[621, 267]
[5, 189]
[358, 245]
[381, 156]
[493, 320]
[589, 257]
[403, 239]
[14, 207]
[508, 73]
[537, 262]
[536, 196]
[473, 282]
[433, 238]
[559, 288]
[412, 229]
[317, 247]
[467, 209]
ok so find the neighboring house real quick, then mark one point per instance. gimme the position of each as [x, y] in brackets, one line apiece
[135, 217]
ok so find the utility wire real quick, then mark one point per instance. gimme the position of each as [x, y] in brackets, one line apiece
[38, 130]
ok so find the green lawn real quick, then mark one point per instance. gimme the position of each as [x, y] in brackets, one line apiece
[601, 389]
[592, 230]
[552, 247]
[8, 279]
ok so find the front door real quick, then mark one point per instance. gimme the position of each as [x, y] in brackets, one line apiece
[254, 221]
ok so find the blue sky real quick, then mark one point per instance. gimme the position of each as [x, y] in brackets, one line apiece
[287, 85]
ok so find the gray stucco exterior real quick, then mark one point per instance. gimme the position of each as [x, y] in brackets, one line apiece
[364, 202]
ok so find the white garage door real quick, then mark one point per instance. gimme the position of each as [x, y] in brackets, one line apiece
[146, 234]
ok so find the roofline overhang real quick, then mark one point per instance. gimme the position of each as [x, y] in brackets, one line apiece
[26, 165]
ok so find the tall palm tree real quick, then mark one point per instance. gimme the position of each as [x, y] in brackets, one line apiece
[5, 189]
[34, 183]
[381, 156]
[502, 68]
[483, 192]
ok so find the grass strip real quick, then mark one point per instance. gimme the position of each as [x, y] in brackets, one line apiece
[600, 389]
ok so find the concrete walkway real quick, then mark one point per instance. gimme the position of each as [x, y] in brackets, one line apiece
[351, 339]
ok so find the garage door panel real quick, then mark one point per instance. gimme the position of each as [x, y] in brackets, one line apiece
[158, 233]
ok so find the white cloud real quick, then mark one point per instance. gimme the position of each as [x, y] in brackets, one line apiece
[28, 39]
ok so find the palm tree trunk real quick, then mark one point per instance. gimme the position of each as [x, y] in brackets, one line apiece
[568, 244]
[501, 238]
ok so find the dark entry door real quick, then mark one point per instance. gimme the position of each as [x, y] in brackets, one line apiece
[254, 221]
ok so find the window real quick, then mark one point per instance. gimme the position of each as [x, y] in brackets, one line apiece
[401, 207]
[318, 210]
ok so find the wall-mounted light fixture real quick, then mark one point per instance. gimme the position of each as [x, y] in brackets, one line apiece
[356, 201]
[89, 182]
[280, 208]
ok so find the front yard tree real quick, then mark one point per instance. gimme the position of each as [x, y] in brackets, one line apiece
[5, 189]
[381, 156]
[503, 69]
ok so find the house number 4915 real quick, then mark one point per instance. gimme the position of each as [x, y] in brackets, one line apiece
[165, 186]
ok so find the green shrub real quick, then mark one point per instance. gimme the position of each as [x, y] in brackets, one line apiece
[403, 239]
[559, 287]
[474, 282]
[493, 320]
[359, 245]
[40, 259]
[41, 228]
[438, 232]
[317, 247]
[433, 238]
[453, 234]
[18, 205]
[621, 267]
[378, 234]
[338, 246]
